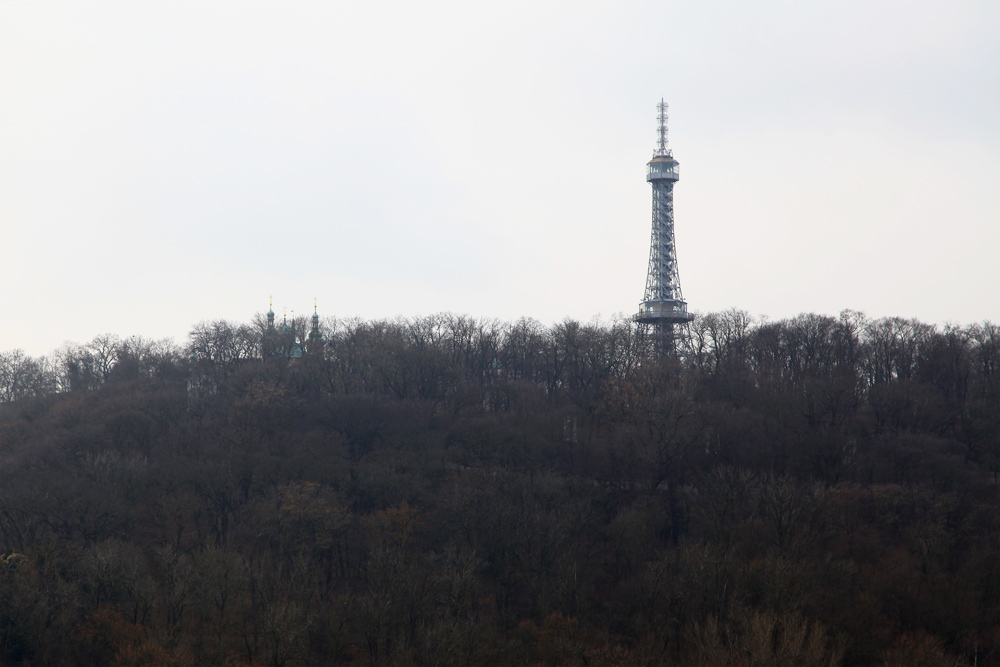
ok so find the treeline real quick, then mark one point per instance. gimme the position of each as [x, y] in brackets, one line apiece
[451, 491]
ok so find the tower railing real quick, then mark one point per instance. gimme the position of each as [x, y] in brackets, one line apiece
[662, 308]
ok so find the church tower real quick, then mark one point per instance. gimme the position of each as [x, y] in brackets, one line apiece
[315, 344]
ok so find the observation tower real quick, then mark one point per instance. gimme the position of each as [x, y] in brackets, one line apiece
[663, 306]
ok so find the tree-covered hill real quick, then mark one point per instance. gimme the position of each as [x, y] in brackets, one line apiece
[450, 491]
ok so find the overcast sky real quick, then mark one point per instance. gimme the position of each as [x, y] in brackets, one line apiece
[164, 163]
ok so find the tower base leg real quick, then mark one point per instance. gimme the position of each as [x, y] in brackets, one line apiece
[668, 339]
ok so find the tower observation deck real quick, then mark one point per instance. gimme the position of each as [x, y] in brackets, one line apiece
[663, 304]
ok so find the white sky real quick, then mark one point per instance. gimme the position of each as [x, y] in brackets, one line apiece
[163, 163]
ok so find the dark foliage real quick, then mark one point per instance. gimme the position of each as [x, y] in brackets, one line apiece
[445, 491]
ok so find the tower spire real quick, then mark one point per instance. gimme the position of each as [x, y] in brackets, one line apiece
[661, 144]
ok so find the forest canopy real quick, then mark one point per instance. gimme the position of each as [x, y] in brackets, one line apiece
[451, 491]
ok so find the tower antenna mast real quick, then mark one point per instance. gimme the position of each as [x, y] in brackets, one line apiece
[661, 117]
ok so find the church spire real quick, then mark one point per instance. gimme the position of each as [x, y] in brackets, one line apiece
[315, 344]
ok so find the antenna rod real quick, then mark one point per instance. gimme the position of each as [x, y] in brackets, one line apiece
[661, 147]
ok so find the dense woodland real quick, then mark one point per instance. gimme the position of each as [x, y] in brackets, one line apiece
[449, 491]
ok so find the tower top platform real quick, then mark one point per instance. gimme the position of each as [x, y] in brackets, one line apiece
[664, 168]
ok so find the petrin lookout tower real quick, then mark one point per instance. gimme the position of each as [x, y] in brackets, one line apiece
[663, 305]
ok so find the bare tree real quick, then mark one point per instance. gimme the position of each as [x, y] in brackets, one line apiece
[22, 376]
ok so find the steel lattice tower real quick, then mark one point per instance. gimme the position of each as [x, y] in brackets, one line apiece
[663, 305]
